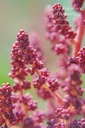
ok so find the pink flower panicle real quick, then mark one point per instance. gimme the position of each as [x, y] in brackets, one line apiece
[22, 54]
[56, 23]
[62, 25]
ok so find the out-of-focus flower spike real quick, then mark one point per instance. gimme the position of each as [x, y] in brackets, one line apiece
[62, 25]
[77, 5]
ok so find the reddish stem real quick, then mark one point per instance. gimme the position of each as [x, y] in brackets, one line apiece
[59, 98]
[25, 108]
[79, 38]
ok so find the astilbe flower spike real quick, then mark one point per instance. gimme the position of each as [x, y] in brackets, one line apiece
[56, 23]
[62, 91]
[62, 25]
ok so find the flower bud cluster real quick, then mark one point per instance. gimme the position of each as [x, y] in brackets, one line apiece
[56, 23]
[77, 123]
[77, 4]
[80, 59]
[62, 25]
[6, 106]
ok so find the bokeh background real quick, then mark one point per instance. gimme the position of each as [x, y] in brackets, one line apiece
[27, 15]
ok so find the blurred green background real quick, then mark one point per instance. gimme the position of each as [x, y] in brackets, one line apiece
[26, 14]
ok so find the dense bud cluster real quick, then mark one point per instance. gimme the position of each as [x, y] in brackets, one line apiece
[62, 90]
[54, 124]
[53, 84]
[64, 113]
[22, 54]
[80, 59]
[77, 124]
[56, 23]
[44, 94]
[60, 49]
[62, 25]
[6, 105]
[77, 4]
[28, 123]
[39, 116]
[38, 82]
